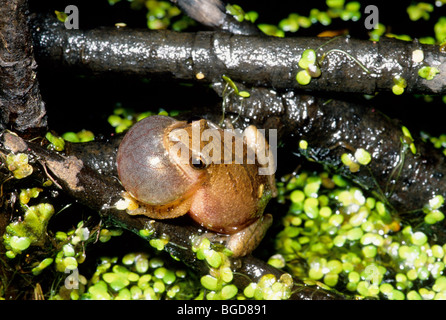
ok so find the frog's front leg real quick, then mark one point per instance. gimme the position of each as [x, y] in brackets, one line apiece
[246, 240]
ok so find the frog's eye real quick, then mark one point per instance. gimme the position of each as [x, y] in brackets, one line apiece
[198, 163]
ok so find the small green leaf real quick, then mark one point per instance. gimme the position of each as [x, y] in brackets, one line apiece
[397, 90]
[303, 77]
[213, 258]
[428, 73]
[436, 202]
[335, 3]
[277, 261]
[229, 291]
[251, 16]
[157, 244]
[209, 282]
[362, 156]
[85, 136]
[244, 94]
[399, 81]
[250, 290]
[70, 137]
[27, 194]
[19, 243]
[311, 208]
[18, 165]
[271, 30]
[289, 25]
[230, 83]
[70, 263]
[57, 143]
[406, 132]
[420, 10]
[42, 265]
[308, 58]
[347, 159]
[61, 16]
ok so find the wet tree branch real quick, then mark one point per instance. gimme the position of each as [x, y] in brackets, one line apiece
[253, 60]
[22, 108]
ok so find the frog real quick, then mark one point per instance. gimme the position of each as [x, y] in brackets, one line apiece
[171, 168]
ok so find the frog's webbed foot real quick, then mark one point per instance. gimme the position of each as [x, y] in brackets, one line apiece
[246, 240]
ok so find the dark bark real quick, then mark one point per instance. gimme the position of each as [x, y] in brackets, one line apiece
[101, 191]
[253, 60]
[22, 108]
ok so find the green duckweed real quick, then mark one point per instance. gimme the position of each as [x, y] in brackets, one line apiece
[428, 73]
[237, 12]
[407, 140]
[209, 282]
[76, 137]
[345, 244]
[18, 165]
[431, 209]
[28, 231]
[362, 156]
[303, 144]
[122, 119]
[399, 85]
[269, 288]
[27, 194]
[271, 30]
[56, 143]
[303, 77]
[419, 10]
[138, 276]
[308, 58]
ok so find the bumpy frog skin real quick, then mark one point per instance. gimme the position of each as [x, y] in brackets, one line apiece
[227, 198]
